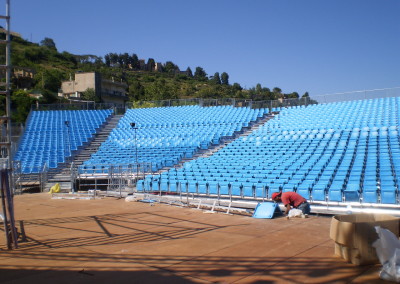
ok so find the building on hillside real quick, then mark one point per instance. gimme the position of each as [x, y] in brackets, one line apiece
[109, 91]
[158, 67]
[12, 34]
[20, 72]
[36, 94]
[142, 64]
[187, 73]
[21, 77]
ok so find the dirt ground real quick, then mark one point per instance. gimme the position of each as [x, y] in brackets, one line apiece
[110, 240]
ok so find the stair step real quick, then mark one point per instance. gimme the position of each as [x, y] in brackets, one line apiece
[62, 174]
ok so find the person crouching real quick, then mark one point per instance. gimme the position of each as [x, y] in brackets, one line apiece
[291, 200]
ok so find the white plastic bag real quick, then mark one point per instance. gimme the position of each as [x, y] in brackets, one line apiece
[295, 213]
[388, 251]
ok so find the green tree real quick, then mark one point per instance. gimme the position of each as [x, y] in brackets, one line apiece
[277, 93]
[70, 58]
[136, 91]
[224, 78]
[216, 79]
[49, 79]
[113, 59]
[293, 95]
[189, 72]
[200, 74]
[107, 60]
[170, 67]
[2, 105]
[237, 91]
[151, 64]
[48, 97]
[207, 93]
[48, 42]
[35, 54]
[125, 60]
[159, 90]
[134, 61]
[258, 89]
[120, 61]
[21, 103]
[90, 95]
[236, 87]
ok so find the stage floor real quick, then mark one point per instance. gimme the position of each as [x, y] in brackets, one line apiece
[112, 241]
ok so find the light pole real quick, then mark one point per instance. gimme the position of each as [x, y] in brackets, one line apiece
[133, 125]
[69, 138]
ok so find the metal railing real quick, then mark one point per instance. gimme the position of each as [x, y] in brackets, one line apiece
[110, 178]
[86, 105]
[22, 181]
[44, 177]
[358, 95]
[17, 129]
[270, 104]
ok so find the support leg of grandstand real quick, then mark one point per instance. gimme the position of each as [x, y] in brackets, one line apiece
[229, 208]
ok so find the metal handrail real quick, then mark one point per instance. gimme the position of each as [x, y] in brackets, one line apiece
[75, 106]
[358, 95]
[222, 102]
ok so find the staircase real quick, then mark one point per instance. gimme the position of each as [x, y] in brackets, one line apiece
[226, 140]
[62, 174]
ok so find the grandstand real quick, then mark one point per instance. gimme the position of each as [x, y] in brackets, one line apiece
[334, 154]
[167, 135]
[52, 136]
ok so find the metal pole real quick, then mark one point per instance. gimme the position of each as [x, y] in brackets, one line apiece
[8, 81]
[8, 92]
[4, 217]
[137, 160]
[133, 125]
[69, 138]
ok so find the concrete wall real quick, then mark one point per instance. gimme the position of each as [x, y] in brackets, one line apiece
[108, 90]
[82, 82]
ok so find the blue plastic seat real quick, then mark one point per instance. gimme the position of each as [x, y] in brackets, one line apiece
[224, 187]
[369, 196]
[236, 187]
[352, 192]
[247, 189]
[192, 186]
[202, 186]
[260, 190]
[335, 195]
[173, 185]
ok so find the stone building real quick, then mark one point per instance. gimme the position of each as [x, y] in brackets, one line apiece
[109, 91]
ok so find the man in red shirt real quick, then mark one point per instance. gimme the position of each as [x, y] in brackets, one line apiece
[292, 199]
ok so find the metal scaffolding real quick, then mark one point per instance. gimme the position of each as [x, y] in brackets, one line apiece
[5, 141]
[6, 191]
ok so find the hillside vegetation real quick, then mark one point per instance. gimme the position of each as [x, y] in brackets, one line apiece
[52, 67]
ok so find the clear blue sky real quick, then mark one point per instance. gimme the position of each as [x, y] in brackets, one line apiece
[319, 46]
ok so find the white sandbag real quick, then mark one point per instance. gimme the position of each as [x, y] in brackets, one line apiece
[295, 213]
[130, 198]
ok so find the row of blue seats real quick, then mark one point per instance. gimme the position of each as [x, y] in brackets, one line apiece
[151, 117]
[352, 161]
[51, 136]
[193, 127]
[257, 189]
